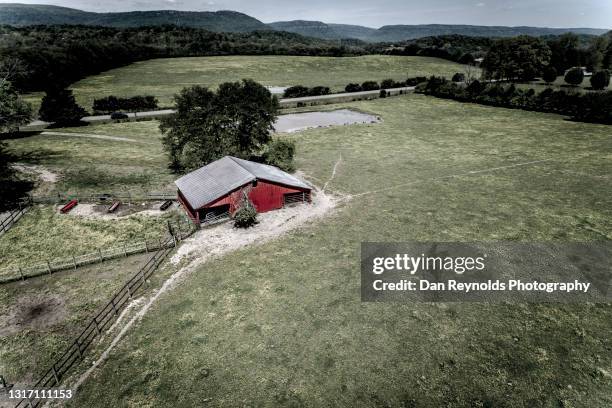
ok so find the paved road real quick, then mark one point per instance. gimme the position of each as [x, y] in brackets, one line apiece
[40, 125]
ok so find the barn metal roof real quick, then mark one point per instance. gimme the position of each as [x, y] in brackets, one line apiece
[213, 181]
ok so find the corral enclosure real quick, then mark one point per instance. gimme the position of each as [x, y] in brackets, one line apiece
[165, 77]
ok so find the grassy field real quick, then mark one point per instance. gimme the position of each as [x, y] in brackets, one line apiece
[85, 164]
[165, 77]
[43, 233]
[41, 316]
[281, 323]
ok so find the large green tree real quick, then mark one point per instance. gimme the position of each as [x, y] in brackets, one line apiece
[59, 106]
[521, 58]
[14, 112]
[236, 120]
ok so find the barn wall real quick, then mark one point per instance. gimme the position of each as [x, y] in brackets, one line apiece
[265, 196]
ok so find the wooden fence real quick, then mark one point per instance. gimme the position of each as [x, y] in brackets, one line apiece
[62, 197]
[14, 216]
[48, 267]
[100, 322]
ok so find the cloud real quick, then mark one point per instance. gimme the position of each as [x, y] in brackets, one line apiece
[480, 4]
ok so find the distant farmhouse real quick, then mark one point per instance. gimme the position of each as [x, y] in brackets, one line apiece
[217, 189]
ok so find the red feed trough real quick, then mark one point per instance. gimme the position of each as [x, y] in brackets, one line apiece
[113, 207]
[71, 204]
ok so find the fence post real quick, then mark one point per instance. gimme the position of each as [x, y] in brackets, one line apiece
[146, 245]
[129, 291]
[160, 243]
[100, 253]
[55, 375]
[76, 342]
[97, 326]
[21, 274]
[114, 307]
[74, 262]
[49, 267]
[124, 249]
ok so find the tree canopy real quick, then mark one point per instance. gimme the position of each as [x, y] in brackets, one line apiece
[59, 106]
[521, 57]
[235, 120]
[14, 112]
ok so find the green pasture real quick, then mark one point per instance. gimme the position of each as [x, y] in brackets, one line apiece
[281, 323]
[165, 77]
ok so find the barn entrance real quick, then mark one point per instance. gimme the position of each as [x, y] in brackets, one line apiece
[213, 214]
[295, 198]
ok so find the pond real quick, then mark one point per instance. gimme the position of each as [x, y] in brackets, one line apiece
[296, 122]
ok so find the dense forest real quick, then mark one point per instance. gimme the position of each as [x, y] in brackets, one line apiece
[55, 56]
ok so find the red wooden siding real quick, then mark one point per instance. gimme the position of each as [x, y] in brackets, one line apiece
[265, 196]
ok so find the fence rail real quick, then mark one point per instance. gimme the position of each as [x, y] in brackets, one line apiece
[60, 197]
[101, 321]
[14, 216]
[48, 267]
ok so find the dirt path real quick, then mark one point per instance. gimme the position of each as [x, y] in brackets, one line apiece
[93, 136]
[216, 241]
[42, 173]
[334, 170]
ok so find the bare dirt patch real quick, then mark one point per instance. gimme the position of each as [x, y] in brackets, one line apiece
[43, 174]
[34, 312]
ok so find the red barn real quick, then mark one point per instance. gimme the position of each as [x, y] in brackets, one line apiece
[218, 188]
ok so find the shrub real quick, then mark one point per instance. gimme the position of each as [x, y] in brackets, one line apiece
[246, 216]
[458, 77]
[297, 91]
[388, 84]
[370, 86]
[280, 154]
[415, 81]
[134, 103]
[319, 90]
[383, 93]
[118, 116]
[574, 76]
[549, 75]
[353, 88]
[600, 79]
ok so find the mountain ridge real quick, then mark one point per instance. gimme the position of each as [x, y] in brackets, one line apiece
[18, 14]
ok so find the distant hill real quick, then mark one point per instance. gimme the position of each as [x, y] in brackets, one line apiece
[221, 21]
[318, 29]
[393, 33]
[231, 21]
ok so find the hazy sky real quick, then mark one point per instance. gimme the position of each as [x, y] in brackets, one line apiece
[375, 13]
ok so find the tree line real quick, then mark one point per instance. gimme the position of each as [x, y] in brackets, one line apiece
[582, 106]
[60, 55]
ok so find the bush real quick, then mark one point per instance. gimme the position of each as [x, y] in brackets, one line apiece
[370, 86]
[319, 90]
[134, 103]
[388, 84]
[353, 88]
[466, 58]
[280, 154]
[246, 216]
[549, 74]
[415, 81]
[458, 77]
[574, 76]
[600, 79]
[297, 91]
[118, 116]
[383, 93]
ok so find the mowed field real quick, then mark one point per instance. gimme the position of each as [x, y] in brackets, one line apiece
[281, 323]
[165, 77]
